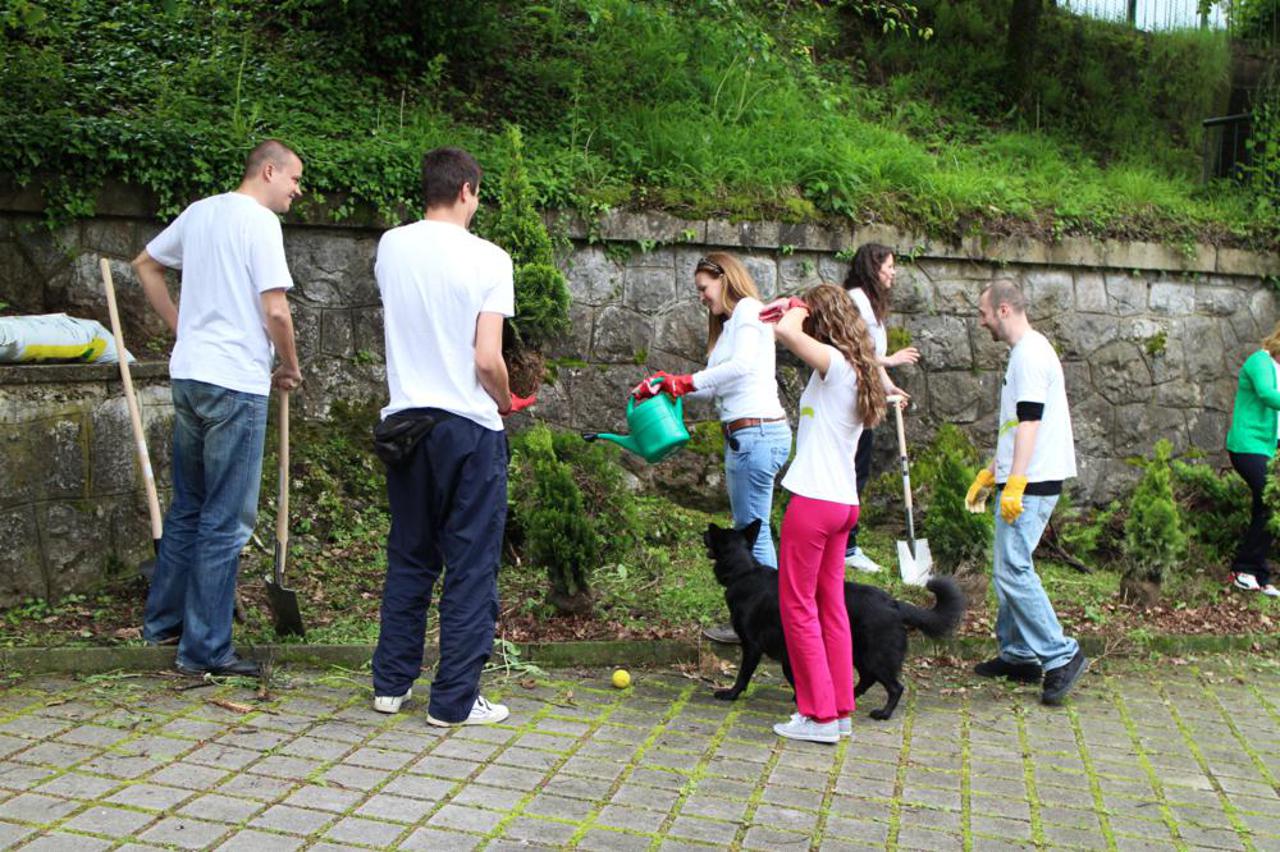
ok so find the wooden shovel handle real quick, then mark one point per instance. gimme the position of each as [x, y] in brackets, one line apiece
[282, 516]
[135, 415]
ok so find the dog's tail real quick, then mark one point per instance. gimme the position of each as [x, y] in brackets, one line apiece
[946, 612]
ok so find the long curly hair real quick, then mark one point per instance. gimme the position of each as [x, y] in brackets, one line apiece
[834, 319]
[864, 272]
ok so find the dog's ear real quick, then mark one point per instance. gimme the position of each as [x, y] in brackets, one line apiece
[752, 532]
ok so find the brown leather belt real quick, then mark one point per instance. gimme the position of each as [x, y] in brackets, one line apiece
[743, 422]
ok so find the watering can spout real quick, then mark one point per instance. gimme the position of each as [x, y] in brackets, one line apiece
[627, 442]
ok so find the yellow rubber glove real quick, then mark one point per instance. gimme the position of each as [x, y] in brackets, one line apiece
[976, 500]
[1011, 498]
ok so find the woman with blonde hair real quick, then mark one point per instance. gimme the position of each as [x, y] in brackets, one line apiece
[1251, 442]
[845, 394]
[740, 377]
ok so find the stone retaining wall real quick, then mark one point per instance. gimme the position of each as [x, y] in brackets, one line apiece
[1151, 338]
[72, 508]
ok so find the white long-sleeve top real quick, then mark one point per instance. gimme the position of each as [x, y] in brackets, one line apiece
[741, 370]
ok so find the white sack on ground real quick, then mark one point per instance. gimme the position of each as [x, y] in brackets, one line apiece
[56, 337]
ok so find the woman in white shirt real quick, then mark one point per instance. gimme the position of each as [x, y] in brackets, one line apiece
[844, 395]
[740, 376]
[869, 283]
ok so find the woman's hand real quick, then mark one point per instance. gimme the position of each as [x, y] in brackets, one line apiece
[903, 397]
[906, 355]
[773, 311]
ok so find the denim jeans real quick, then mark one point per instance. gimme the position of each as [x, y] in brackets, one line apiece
[217, 467]
[749, 472]
[1027, 628]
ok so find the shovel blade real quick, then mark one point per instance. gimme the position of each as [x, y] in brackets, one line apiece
[915, 570]
[284, 607]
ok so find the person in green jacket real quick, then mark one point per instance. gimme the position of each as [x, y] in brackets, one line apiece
[1251, 442]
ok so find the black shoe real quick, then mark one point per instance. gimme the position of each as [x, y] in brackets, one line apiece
[236, 666]
[723, 633]
[1021, 672]
[1058, 682]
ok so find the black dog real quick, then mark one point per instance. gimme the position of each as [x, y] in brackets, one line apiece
[877, 620]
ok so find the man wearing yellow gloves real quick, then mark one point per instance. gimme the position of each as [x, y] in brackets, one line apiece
[1035, 453]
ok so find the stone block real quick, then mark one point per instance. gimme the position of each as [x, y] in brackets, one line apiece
[1049, 293]
[1091, 292]
[1177, 394]
[1262, 305]
[1157, 256]
[1016, 250]
[902, 242]
[1126, 294]
[116, 238]
[806, 236]
[72, 535]
[943, 342]
[957, 295]
[49, 251]
[1205, 358]
[1206, 429]
[621, 336]
[368, 333]
[330, 267]
[1120, 373]
[1219, 301]
[912, 291]
[798, 272]
[960, 396]
[307, 329]
[593, 277]
[1079, 335]
[649, 289]
[1172, 298]
[1077, 251]
[650, 226]
[1231, 261]
[336, 333]
[599, 396]
[576, 342]
[21, 567]
[22, 285]
[1139, 426]
[1092, 422]
[1104, 479]
[764, 271]
[682, 331]
[938, 269]
[831, 270]
[658, 257]
[988, 354]
[113, 456]
[754, 234]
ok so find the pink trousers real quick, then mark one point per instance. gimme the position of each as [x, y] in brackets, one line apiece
[815, 620]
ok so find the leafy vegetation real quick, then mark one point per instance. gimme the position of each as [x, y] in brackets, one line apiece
[957, 537]
[756, 108]
[1154, 538]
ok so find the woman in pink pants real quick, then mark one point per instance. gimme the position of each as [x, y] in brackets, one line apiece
[844, 394]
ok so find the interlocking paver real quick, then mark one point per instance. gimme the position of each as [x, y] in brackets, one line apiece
[660, 766]
[60, 842]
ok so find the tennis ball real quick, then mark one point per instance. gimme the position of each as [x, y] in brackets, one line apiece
[621, 678]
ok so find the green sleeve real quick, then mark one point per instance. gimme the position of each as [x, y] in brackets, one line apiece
[1264, 385]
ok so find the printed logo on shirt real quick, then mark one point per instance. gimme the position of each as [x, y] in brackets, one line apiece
[807, 411]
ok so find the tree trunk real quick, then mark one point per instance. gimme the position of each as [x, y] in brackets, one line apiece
[1020, 50]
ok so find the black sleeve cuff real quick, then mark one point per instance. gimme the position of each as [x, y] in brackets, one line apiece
[1030, 411]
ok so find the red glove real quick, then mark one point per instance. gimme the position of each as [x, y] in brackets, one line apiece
[662, 382]
[773, 311]
[519, 403]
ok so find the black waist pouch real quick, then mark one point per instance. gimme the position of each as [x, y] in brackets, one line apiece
[395, 437]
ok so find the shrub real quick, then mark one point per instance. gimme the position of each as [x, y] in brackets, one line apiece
[945, 470]
[1214, 506]
[570, 510]
[1153, 534]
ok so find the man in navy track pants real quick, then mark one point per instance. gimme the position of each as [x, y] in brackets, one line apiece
[445, 296]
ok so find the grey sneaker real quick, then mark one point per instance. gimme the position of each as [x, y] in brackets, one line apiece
[391, 703]
[858, 558]
[723, 633]
[803, 728]
[482, 713]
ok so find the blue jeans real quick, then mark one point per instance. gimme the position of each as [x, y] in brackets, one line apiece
[749, 472]
[1027, 628]
[217, 468]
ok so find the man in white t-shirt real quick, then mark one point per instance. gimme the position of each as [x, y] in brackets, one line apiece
[230, 249]
[1035, 454]
[445, 296]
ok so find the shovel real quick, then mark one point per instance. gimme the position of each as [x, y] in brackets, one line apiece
[148, 566]
[915, 562]
[284, 602]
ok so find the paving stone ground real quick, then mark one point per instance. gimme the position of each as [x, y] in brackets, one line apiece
[1158, 755]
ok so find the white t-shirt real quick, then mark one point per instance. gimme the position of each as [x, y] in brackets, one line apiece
[741, 368]
[827, 436]
[230, 250]
[878, 334]
[436, 278]
[1034, 374]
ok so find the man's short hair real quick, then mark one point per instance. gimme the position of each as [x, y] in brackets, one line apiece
[269, 151]
[444, 171]
[1004, 292]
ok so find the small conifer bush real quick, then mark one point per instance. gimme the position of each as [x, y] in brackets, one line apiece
[1154, 537]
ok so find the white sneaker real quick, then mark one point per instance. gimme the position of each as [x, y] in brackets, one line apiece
[482, 713]
[1248, 582]
[858, 558]
[845, 724]
[1270, 591]
[391, 703]
[803, 728]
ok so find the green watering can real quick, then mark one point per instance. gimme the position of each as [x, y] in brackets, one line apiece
[657, 428]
